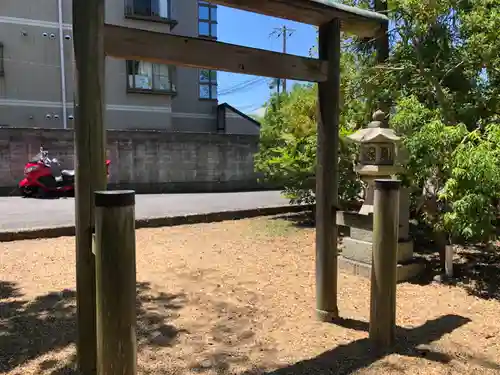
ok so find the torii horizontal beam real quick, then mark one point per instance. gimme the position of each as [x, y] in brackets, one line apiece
[134, 44]
[363, 23]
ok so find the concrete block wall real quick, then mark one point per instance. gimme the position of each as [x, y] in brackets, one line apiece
[147, 161]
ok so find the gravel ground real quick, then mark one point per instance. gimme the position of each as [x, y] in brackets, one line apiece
[237, 298]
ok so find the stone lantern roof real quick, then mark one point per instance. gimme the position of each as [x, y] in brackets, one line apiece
[375, 132]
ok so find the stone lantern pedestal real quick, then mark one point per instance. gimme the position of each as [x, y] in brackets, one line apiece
[378, 146]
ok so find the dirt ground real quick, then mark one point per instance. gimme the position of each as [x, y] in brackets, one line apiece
[238, 298]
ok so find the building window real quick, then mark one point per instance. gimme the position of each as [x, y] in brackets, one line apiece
[207, 20]
[147, 77]
[2, 72]
[208, 84]
[159, 9]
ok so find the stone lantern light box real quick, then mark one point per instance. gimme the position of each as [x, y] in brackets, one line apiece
[377, 157]
[378, 144]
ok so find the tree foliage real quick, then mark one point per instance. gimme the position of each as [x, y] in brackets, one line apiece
[443, 78]
[473, 188]
[288, 147]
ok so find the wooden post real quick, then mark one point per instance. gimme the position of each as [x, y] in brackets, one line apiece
[382, 47]
[88, 24]
[116, 282]
[384, 264]
[327, 179]
[448, 261]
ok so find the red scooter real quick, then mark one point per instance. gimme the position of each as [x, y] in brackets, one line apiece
[44, 176]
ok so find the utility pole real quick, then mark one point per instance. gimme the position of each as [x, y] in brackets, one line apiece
[283, 32]
[275, 83]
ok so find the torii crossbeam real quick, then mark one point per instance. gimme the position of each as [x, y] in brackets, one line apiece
[93, 40]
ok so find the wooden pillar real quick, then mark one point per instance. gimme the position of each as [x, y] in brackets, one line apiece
[384, 264]
[116, 282]
[382, 39]
[448, 261]
[88, 22]
[382, 48]
[327, 178]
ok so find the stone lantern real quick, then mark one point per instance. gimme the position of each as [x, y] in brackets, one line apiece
[377, 157]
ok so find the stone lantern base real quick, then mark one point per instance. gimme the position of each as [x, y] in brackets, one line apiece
[356, 250]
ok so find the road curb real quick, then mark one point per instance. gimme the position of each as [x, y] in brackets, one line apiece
[156, 222]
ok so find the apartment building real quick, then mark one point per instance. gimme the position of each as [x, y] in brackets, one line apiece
[37, 70]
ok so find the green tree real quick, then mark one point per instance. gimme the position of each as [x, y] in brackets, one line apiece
[473, 189]
[429, 145]
[443, 77]
[288, 147]
[446, 53]
[443, 74]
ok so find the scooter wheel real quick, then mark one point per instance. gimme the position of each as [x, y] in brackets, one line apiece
[28, 192]
[24, 193]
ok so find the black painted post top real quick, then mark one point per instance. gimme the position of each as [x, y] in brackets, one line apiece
[387, 184]
[114, 198]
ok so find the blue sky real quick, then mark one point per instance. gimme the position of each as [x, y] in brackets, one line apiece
[252, 30]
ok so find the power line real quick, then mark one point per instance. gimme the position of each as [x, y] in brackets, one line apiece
[241, 87]
[250, 107]
[254, 108]
[242, 83]
[284, 33]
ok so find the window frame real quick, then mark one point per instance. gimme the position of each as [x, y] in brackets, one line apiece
[2, 66]
[131, 14]
[153, 91]
[209, 20]
[211, 83]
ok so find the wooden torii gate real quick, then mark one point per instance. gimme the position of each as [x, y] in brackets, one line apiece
[93, 40]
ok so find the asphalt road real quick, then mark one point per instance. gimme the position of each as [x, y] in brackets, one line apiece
[19, 213]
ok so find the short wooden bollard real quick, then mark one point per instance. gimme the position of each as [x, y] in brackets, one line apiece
[116, 282]
[448, 261]
[384, 263]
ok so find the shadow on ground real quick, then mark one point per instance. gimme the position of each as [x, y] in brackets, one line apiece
[300, 220]
[233, 329]
[225, 337]
[476, 268]
[32, 328]
[349, 358]
[303, 220]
